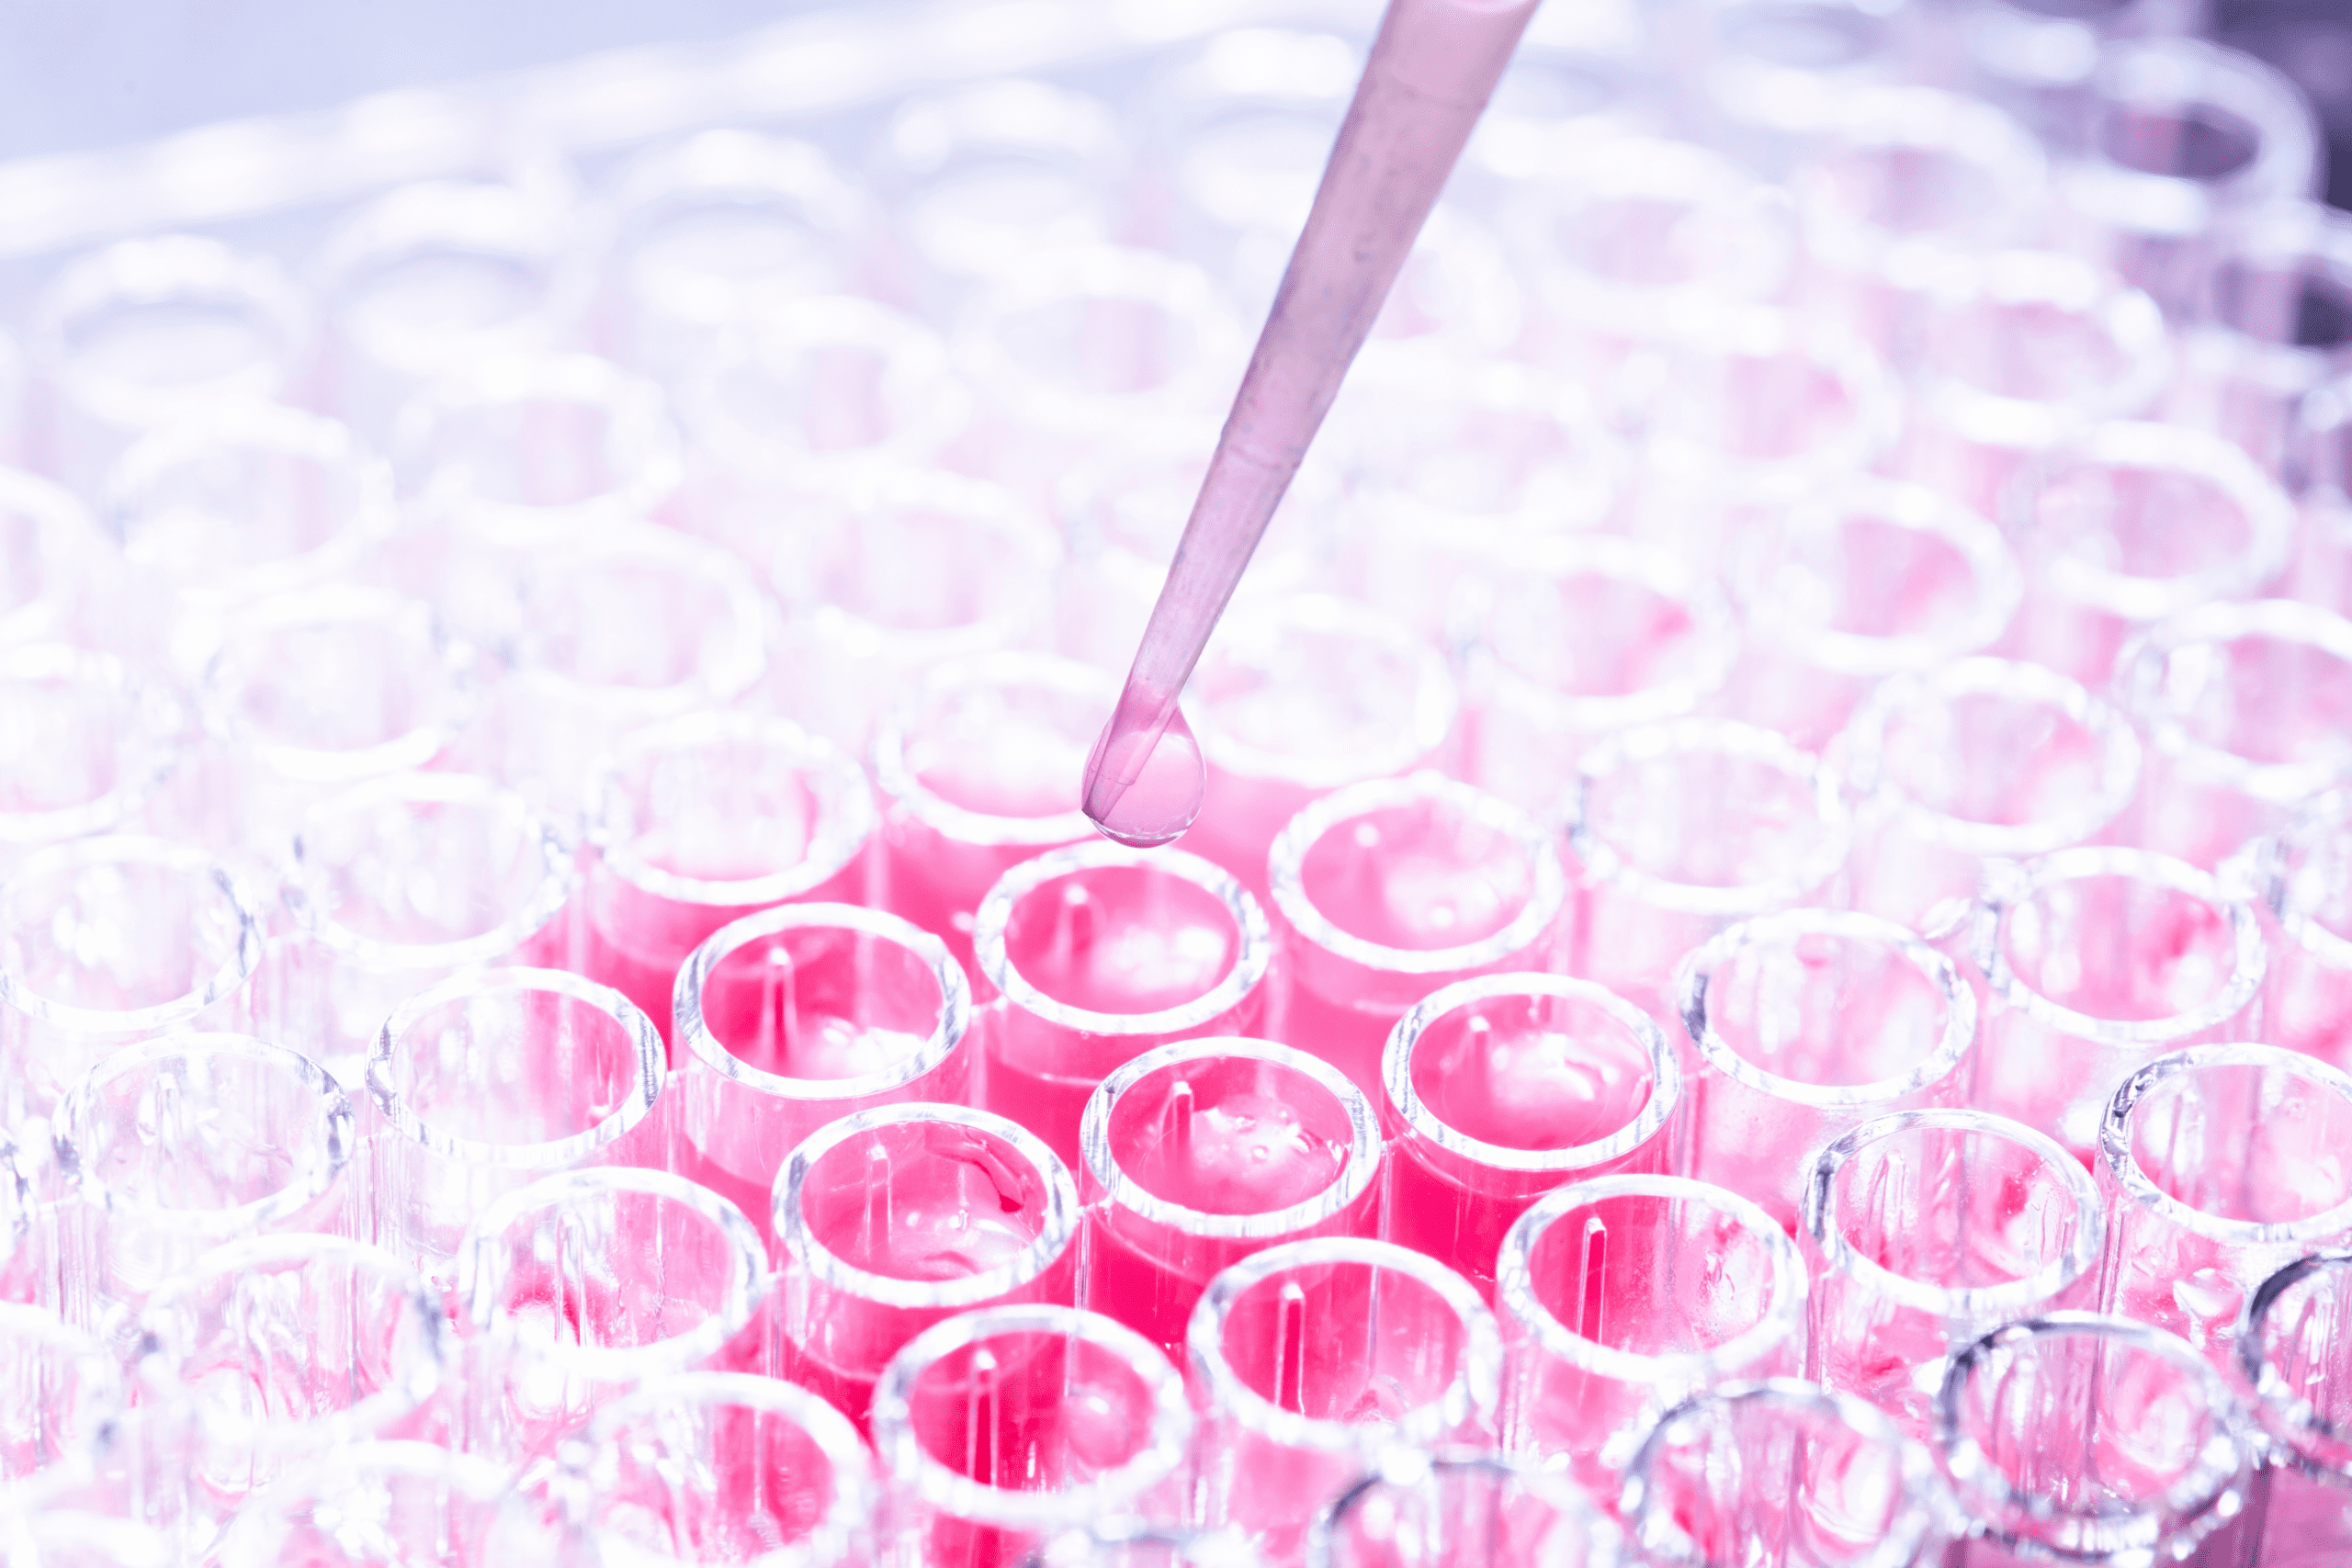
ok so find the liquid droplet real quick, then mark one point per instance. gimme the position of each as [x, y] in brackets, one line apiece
[1142, 789]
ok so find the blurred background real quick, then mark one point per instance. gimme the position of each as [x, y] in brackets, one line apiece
[76, 75]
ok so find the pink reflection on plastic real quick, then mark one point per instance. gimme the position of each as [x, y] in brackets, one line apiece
[1503, 1088]
[1679, 830]
[1927, 1228]
[1622, 1292]
[1862, 580]
[2248, 711]
[1824, 1476]
[1578, 636]
[2095, 959]
[2220, 1164]
[2095, 1437]
[2306, 875]
[1980, 760]
[1200, 1154]
[1457, 1508]
[1806, 1024]
[581, 1286]
[2291, 1364]
[2128, 523]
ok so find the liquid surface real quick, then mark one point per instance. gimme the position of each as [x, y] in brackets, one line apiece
[1230, 1135]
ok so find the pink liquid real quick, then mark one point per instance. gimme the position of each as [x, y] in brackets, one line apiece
[1431, 70]
[1120, 943]
[1520, 1072]
[1226, 1135]
[921, 1202]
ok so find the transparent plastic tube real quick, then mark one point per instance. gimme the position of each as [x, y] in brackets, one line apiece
[1610, 224]
[801, 389]
[621, 628]
[371, 1504]
[526, 451]
[790, 1019]
[494, 1079]
[581, 1286]
[2132, 522]
[178, 1145]
[1905, 189]
[86, 744]
[1296, 698]
[273, 1348]
[701, 226]
[2320, 468]
[1459, 1508]
[1199, 1154]
[87, 1538]
[1982, 760]
[1308, 1359]
[2268, 328]
[1756, 407]
[1681, 829]
[2306, 877]
[317, 691]
[1807, 1024]
[2181, 133]
[983, 177]
[434, 278]
[1927, 1229]
[59, 1397]
[1824, 1477]
[397, 886]
[1122, 512]
[2289, 1365]
[1098, 952]
[150, 331]
[1428, 532]
[1387, 890]
[893, 572]
[2233, 698]
[240, 501]
[2036, 58]
[1143, 1543]
[1761, 79]
[1620, 1296]
[2219, 1166]
[703, 820]
[1501, 1088]
[1862, 580]
[54, 554]
[2094, 959]
[976, 767]
[999, 1429]
[1075, 345]
[1582, 636]
[703, 1469]
[108, 941]
[891, 1220]
[2048, 1431]
[2028, 351]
